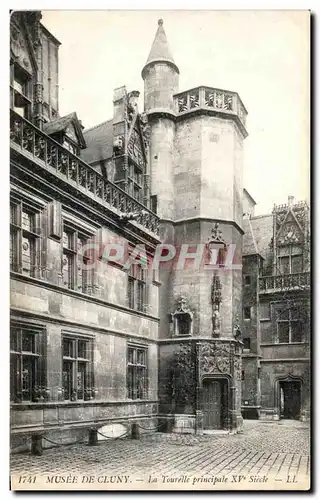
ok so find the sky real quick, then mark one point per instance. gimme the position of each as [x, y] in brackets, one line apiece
[262, 55]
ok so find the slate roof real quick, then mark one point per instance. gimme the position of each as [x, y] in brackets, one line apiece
[258, 233]
[99, 140]
[160, 50]
[60, 124]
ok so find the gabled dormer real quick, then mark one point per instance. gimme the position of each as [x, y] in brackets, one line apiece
[67, 130]
[33, 68]
[291, 248]
[23, 64]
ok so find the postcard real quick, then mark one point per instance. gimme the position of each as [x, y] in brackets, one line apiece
[160, 250]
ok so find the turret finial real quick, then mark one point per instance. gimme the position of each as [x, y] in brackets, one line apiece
[160, 51]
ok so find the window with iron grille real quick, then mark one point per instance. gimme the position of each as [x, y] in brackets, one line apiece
[154, 203]
[20, 91]
[290, 259]
[25, 240]
[246, 343]
[247, 312]
[77, 364]
[264, 309]
[26, 364]
[247, 279]
[137, 383]
[76, 269]
[290, 325]
[135, 181]
[137, 289]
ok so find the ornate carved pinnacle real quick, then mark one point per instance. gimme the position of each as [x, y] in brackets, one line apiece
[216, 235]
[182, 303]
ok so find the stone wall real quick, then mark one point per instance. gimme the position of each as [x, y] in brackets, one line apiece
[250, 386]
[251, 327]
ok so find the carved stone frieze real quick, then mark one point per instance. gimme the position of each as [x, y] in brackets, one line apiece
[214, 358]
[290, 233]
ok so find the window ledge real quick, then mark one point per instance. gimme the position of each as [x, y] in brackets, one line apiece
[80, 295]
[93, 402]
[283, 343]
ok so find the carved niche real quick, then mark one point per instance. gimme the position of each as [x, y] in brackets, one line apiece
[214, 358]
[217, 248]
[182, 319]
[19, 47]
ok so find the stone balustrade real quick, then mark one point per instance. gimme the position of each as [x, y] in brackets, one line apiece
[283, 282]
[56, 158]
[211, 99]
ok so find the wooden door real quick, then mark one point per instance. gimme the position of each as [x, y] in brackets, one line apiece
[291, 399]
[212, 404]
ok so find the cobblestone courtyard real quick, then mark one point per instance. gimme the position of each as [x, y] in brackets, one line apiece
[277, 449]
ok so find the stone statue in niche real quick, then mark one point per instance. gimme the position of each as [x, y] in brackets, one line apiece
[182, 319]
[216, 299]
[118, 145]
[145, 128]
[216, 320]
[217, 247]
[237, 330]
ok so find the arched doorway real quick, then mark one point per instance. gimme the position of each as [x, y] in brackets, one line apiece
[215, 400]
[289, 398]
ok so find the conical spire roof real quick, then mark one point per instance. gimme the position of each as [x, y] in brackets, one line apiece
[160, 51]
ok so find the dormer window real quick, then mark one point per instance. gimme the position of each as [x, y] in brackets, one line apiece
[67, 130]
[21, 91]
[73, 148]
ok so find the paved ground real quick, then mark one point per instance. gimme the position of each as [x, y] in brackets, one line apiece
[277, 449]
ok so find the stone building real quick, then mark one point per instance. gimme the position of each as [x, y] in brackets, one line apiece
[95, 343]
[276, 312]
[83, 330]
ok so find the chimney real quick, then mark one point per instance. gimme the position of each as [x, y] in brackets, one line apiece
[290, 201]
[119, 106]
